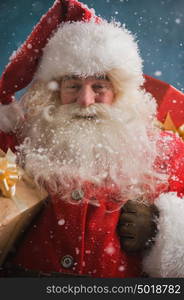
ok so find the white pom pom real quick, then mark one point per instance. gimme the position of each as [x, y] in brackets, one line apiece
[53, 86]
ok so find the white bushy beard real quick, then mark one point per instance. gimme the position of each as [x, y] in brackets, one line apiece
[115, 146]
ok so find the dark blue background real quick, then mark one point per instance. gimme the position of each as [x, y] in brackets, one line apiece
[158, 24]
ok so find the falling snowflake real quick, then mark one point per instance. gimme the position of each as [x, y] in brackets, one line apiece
[29, 46]
[109, 249]
[61, 222]
[77, 250]
[178, 21]
[121, 268]
[53, 85]
[158, 73]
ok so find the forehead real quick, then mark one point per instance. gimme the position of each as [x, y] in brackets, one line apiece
[89, 78]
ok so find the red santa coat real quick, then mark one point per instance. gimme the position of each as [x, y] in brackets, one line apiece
[80, 238]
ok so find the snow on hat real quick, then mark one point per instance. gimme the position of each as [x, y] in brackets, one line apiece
[91, 48]
[23, 64]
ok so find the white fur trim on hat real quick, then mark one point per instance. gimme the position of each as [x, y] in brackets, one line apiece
[166, 258]
[87, 49]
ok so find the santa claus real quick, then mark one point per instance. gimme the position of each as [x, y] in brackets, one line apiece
[86, 132]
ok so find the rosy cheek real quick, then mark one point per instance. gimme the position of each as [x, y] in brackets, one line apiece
[65, 98]
[109, 98]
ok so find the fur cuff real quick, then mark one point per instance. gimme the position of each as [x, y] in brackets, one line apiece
[166, 257]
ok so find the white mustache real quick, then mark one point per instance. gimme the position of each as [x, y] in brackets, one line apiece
[74, 111]
[95, 110]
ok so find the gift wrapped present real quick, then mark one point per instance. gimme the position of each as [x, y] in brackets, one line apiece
[170, 102]
[20, 200]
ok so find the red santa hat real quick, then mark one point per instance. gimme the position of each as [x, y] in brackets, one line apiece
[69, 40]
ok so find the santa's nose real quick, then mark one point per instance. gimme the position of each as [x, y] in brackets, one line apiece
[86, 96]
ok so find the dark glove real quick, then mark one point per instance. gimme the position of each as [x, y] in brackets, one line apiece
[137, 226]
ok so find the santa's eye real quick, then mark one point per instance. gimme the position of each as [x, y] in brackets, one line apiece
[99, 87]
[72, 87]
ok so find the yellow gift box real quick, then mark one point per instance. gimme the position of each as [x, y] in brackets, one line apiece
[169, 125]
[20, 200]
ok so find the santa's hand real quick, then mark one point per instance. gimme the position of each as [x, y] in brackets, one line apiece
[137, 227]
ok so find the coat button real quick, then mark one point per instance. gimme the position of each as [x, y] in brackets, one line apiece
[67, 261]
[77, 194]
